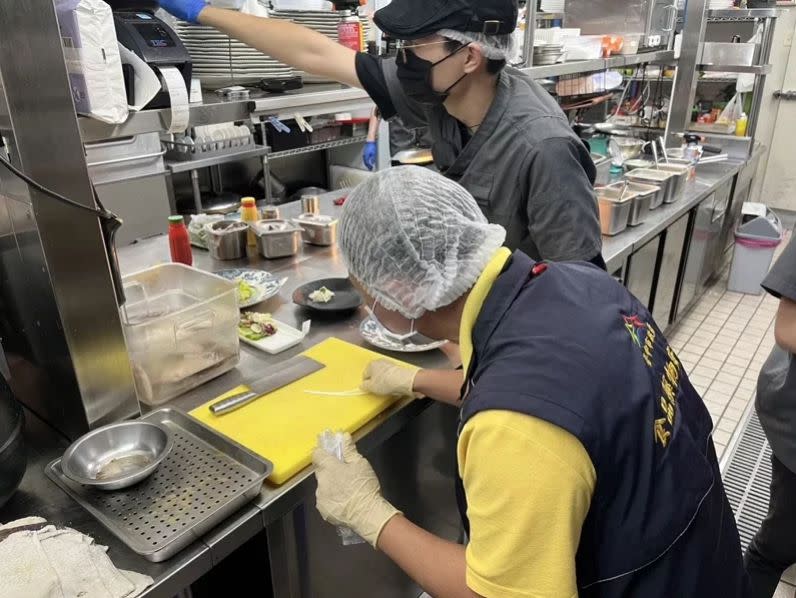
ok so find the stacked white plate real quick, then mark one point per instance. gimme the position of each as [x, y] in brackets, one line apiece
[323, 21]
[219, 60]
[720, 4]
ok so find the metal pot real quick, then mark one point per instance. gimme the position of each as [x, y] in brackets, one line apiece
[13, 459]
[226, 239]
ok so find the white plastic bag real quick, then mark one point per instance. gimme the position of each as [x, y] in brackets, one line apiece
[92, 59]
[732, 111]
[332, 443]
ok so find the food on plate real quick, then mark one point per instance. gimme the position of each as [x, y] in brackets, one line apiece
[255, 326]
[322, 295]
[245, 291]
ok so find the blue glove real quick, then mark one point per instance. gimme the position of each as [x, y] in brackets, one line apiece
[185, 10]
[369, 155]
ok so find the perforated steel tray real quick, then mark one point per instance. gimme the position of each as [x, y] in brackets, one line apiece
[204, 479]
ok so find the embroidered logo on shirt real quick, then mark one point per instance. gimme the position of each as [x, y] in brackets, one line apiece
[665, 364]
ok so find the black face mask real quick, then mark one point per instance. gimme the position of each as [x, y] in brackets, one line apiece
[414, 73]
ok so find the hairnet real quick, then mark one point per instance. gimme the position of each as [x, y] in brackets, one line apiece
[494, 47]
[415, 240]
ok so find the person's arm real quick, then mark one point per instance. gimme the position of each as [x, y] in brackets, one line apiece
[563, 219]
[781, 283]
[441, 385]
[387, 378]
[785, 325]
[292, 44]
[436, 565]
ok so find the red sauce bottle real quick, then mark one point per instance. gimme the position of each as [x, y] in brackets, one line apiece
[179, 242]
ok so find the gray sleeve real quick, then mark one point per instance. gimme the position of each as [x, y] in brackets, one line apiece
[781, 280]
[413, 114]
[563, 219]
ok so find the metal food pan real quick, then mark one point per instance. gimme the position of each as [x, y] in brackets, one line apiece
[205, 478]
[659, 178]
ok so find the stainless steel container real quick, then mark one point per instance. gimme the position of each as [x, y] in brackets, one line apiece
[681, 178]
[311, 204]
[317, 230]
[642, 202]
[728, 54]
[271, 213]
[659, 178]
[614, 208]
[226, 239]
[277, 238]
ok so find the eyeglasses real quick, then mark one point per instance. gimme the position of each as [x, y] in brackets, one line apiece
[403, 45]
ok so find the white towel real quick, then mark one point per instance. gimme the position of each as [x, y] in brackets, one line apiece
[61, 563]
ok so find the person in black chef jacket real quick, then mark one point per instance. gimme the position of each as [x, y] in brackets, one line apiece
[495, 131]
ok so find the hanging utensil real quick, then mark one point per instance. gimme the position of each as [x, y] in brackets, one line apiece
[655, 153]
[663, 149]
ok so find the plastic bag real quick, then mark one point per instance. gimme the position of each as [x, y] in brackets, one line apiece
[332, 443]
[732, 111]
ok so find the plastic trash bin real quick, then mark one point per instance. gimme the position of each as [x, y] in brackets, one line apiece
[755, 243]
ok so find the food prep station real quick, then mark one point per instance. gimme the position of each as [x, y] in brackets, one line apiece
[663, 241]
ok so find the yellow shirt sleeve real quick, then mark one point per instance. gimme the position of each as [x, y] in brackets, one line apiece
[529, 485]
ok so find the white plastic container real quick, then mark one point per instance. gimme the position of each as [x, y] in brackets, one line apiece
[181, 328]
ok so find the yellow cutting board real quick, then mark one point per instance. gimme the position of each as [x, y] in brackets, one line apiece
[283, 426]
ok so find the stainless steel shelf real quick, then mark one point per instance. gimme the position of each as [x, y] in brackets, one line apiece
[748, 14]
[313, 99]
[176, 166]
[599, 64]
[317, 147]
[757, 69]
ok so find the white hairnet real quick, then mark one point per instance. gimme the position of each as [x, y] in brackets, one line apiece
[415, 240]
[494, 47]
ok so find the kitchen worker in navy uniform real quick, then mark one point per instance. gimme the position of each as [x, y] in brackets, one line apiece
[495, 131]
[585, 456]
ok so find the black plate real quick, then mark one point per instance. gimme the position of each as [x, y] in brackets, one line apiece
[345, 296]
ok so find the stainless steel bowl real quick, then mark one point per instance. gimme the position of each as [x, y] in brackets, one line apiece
[626, 148]
[118, 455]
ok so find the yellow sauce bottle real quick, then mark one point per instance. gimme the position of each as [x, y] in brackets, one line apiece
[249, 214]
[741, 124]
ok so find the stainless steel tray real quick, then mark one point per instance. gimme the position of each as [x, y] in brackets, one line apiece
[204, 479]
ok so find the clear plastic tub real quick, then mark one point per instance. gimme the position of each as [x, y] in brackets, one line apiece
[181, 328]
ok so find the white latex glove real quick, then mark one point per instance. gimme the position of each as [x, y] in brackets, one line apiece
[349, 493]
[385, 378]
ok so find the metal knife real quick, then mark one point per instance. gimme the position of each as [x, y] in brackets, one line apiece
[291, 370]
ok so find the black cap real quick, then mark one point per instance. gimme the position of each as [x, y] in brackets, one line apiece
[411, 19]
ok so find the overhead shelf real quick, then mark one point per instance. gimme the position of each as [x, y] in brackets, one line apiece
[598, 64]
[755, 69]
[747, 14]
[317, 147]
[311, 100]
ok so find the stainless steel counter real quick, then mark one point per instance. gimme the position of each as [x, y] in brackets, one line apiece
[271, 511]
[709, 177]
[39, 496]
